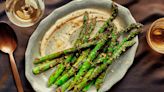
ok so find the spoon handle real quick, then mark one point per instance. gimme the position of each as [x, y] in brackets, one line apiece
[15, 73]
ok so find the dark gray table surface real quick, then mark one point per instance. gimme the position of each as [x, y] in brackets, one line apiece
[145, 75]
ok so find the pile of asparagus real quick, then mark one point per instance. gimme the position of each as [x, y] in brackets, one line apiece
[85, 64]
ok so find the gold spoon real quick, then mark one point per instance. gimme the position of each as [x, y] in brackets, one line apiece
[8, 43]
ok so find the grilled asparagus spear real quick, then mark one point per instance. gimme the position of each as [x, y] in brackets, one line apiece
[111, 18]
[84, 29]
[100, 80]
[39, 69]
[101, 77]
[88, 61]
[108, 60]
[78, 79]
[77, 43]
[43, 67]
[59, 70]
[115, 35]
[47, 65]
[62, 67]
[107, 24]
[86, 88]
[73, 70]
[64, 86]
[77, 65]
[103, 66]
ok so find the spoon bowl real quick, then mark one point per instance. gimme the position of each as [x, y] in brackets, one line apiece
[8, 44]
[8, 40]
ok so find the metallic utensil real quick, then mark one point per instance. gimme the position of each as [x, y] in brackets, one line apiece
[8, 43]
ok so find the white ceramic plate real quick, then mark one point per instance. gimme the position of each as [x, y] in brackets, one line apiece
[116, 71]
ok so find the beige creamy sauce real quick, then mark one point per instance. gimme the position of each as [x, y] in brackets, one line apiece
[65, 31]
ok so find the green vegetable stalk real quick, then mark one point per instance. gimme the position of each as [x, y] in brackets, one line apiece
[77, 65]
[103, 66]
[86, 88]
[62, 67]
[133, 26]
[59, 70]
[72, 71]
[45, 66]
[111, 18]
[108, 59]
[64, 87]
[77, 78]
[65, 52]
[49, 64]
[107, 24]
[77, 43]
[86, 64]
[100, 80]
